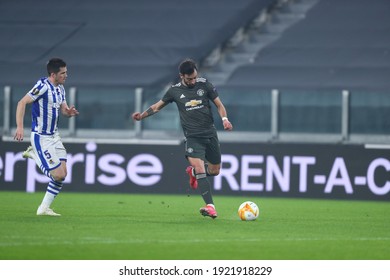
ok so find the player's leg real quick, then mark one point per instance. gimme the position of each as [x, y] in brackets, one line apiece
[213, 157]
[52, 155]
[195, 154]
[34, 151]
[212, 168]
[204, 187]
[53, 189]
[195, 150]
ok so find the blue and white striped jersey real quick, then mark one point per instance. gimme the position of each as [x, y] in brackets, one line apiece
[46, 106]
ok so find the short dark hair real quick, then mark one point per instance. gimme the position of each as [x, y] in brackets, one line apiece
[187, 66]
[54, 65]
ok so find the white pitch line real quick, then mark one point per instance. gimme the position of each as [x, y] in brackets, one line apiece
[143, 241]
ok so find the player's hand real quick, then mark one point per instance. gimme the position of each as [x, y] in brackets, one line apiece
[71, 111]
[136, 116]
[227, 125]
[19, 134]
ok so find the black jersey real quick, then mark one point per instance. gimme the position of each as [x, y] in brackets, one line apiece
[194, 106]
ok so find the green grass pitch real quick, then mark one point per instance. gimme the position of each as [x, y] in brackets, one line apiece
[169, 227]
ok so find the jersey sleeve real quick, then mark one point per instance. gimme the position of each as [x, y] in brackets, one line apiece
[63, 93]
[211, 89]
[168, 96]
[38, 90]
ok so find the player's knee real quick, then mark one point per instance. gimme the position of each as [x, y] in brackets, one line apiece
[60, 175]
[59, 178]
[213, 171]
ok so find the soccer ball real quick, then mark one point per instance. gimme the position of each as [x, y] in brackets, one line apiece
[248, 211]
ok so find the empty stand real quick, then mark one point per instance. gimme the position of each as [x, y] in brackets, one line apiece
[339, 44]
[119, 42]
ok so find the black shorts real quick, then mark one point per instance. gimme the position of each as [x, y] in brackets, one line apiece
[207, 149]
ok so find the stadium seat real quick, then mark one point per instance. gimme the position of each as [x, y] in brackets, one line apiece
[339, 44]
[133, 43]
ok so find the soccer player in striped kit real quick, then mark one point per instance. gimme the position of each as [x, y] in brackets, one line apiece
[48, 100]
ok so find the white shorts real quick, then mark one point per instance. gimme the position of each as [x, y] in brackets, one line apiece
[49, 150]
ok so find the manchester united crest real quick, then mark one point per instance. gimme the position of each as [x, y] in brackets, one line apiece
[200, 92]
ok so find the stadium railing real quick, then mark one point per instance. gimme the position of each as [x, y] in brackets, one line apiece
[258, 115]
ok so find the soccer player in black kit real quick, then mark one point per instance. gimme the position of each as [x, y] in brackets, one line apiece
[193, 96]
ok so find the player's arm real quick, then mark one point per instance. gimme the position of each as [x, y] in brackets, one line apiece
[223, 114]
[20, 111]
[68, 111]
[153, 109]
